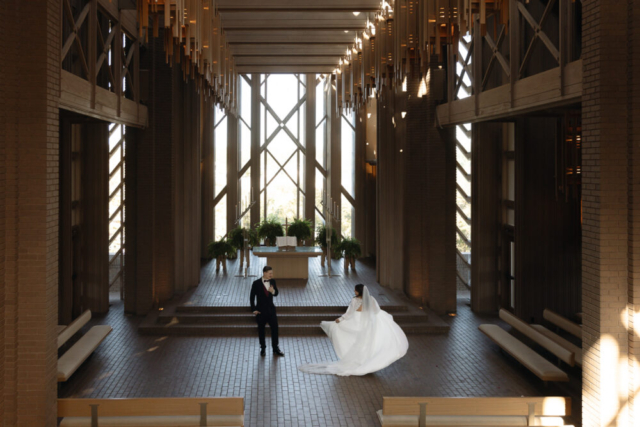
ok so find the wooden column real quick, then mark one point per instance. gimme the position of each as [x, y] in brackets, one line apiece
[334, 159]
[485, 215]
[65, 284]
[133, 139]
[95, 209]
[232, 170]
[255, 147]
[207, 169]
[310, 158]
[360, 172]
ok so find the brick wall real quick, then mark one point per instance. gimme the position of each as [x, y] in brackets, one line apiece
[605, 187]
[31, 77]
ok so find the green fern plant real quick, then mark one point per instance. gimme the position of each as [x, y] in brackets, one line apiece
[301, 229]
[269, 229]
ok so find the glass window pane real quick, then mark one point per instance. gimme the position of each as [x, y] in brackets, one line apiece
[321, 142]
[320, 101]
[282, 93]
[348, 144]
[220, 151]
[245, 197]
[282, 200]
[245, 143]
[347, 222]
[511, 165]
[245, 100]
[220, 218]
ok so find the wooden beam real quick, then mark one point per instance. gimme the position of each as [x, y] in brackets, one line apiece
[292, 37]
[309, 24]
[286, 60]
[279, 49]
[287, 69]
[75, 96]
[525, 97]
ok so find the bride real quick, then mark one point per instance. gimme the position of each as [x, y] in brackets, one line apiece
[365, 338]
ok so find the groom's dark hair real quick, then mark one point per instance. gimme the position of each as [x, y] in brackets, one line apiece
[359, 289]
[266, 268]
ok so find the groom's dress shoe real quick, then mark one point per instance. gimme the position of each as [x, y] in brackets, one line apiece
[277, 352]
[263, 352]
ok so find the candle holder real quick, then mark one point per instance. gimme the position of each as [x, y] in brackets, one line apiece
[331, 214]
[240, 213]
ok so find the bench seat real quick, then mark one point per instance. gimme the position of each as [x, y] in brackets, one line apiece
[577, 351]
[537, 364]
[159, 421]
[70, 330]
[153, 411]
[474, 411]
[452, 420]
[524, 328]
[562, 322]
[80, 351]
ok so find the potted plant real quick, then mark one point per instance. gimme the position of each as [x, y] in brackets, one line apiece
[220, 251]
[350, 247]
[236, 239]
[321, 240]
[301, 228]
[268, 230]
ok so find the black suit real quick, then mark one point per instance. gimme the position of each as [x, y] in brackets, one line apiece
[267, 310]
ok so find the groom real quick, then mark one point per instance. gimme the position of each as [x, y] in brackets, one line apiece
[264, 289]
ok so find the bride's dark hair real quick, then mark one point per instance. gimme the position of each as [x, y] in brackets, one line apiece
[360, 289]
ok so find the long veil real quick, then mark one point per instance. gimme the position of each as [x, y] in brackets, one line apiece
[362, 348]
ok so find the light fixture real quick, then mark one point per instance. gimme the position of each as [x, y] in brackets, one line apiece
[404, 84]
[403, 114]
[367, 143]
[346, 31]
[401, 150]
[368, 115]
[356, 13]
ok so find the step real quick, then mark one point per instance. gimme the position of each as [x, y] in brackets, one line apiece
[283, 318]
[251, 330]
[280, 309]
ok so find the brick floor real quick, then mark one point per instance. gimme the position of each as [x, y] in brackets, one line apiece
[462, 363]
[220, 289]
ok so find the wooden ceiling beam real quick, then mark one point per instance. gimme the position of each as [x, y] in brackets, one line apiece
[280, 49]
[287, 69]
[286, 60]
[291, 37]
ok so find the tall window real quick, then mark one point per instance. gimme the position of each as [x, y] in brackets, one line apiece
[116, 208]
[322, 88]
[463, 169]
[244, 155]
[348, 173]
[220, 174]
[282, 145]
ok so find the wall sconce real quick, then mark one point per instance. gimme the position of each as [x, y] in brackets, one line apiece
[403, 114]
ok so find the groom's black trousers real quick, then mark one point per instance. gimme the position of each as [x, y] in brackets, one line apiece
[272, 320]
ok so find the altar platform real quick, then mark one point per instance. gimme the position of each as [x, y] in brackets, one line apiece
[288, 264]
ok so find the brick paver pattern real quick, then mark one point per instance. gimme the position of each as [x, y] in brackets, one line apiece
[461, 363]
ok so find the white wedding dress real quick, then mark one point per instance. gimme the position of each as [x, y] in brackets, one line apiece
[364, 341]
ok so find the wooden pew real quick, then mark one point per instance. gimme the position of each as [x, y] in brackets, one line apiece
[563, 323]
[577, 351]
[524, 328]
[70, 330]
[474, 411]
[175, 412]
[82, 349]
[537, 364]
